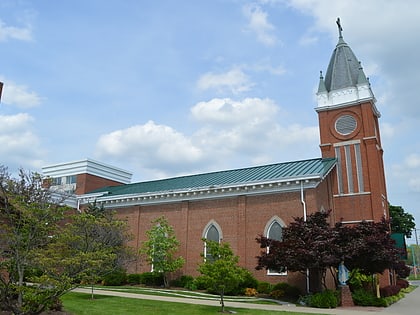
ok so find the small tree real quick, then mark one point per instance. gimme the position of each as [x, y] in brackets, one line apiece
[29, 217]
[222, 272]
[160, 249]
[306, 245]
[90, 246]
[401, 221]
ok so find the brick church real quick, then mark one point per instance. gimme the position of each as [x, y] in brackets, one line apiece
[237, 205]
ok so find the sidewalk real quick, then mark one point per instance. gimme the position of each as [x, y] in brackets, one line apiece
[410, 305]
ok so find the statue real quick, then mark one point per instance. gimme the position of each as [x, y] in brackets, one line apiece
[343, 274]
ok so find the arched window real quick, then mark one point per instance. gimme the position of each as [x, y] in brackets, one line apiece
[212, 232]
[274, 230]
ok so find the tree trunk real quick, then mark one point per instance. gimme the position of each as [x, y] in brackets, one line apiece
[222, 301]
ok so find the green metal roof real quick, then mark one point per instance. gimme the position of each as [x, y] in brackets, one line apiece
[314, 168]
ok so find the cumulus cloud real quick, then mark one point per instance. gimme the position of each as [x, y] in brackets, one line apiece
[234, 81]
[19, 95]
[13, 32]
[409, 170]
[150, 146]
[258, 23]
[251, 129]
[19, 145]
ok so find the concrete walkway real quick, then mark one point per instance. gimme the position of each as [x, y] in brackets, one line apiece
[410, 305]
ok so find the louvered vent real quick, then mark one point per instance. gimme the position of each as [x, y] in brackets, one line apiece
[345, 124]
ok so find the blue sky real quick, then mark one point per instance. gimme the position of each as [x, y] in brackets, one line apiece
[163, 88]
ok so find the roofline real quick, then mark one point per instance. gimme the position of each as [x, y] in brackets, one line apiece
[204, 193]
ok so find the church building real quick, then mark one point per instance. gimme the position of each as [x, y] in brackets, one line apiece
[238, 205]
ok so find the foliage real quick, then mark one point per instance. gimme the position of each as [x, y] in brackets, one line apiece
[264, 287]
[403, 284]
[90, 246]
[115, 278]
[314, 245]
[290, 292]
[160, 249]
[134, 278]
[151, 279]
[362, 297]
[183, 282]
[306, 245]
[401, 221]
[250, 292]
[402, 270]
[358, 280]
[390, 290]
[325, 299]
[29, 216]
[221, 273]
[367, 246]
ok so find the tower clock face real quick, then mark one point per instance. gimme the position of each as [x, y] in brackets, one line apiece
[345, 124]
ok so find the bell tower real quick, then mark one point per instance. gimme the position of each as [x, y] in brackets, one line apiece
[349, 131]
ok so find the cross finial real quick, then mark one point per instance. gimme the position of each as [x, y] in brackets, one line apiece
[340, 29]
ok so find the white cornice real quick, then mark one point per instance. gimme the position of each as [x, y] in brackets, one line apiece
[203, 193]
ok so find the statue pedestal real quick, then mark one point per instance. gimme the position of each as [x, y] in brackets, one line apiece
[346, 299]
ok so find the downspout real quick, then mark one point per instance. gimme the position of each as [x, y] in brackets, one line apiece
[302, 200]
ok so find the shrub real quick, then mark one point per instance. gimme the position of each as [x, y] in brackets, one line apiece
[402, 270]
[390, 290]
[134, 278]
[248, 281]
[362, 297]
[151, 279]
[290, 291]
[182, 282]
[200, 283]
[115, 278]
[264, 287]
[250, 292]
[325, 299]
[277, 294]
[403, 283]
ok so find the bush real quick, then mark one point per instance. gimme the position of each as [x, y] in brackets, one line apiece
[402, 270]
[183, 282]
[362, 297]
[151, 279]
[115, 278]
[289, 291]
[134, 278]
[250, 292]
[325, 299]
[403, 283]
[200, 283]
[390, 290]
[277, 294]
[249, 281]
[264, 287]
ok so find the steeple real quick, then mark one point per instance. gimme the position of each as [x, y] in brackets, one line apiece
[345, 81]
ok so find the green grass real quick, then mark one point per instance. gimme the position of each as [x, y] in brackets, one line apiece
[81, 304]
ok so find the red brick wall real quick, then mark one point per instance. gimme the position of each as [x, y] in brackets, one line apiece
[241, 218]
[87, 182]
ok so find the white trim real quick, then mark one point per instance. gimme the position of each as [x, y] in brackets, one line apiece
[87, 166]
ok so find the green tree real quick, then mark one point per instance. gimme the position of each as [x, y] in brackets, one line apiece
[160, 249]
[222, 272]
[401, 221]
[29, 217]
[90, 246]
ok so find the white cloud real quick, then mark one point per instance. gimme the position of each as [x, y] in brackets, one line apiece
[258, 23]
[149, 146]
[251, 111]
[409, 171]
[19, 95]
[19, 146]
[12, 32]
[234, 81]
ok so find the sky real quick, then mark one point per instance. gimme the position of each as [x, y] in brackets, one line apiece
[167, 88]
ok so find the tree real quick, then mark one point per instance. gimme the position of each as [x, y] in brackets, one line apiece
[90, 246]
[36, 246]
[29, 216]
[160, 248]
[401, 221]
[367, 246]
[222, 272]
[316, 246]
[306, 245]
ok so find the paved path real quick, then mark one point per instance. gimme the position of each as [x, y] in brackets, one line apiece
[410, 305]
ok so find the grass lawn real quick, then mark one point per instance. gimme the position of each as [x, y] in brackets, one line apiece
[81, 304]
